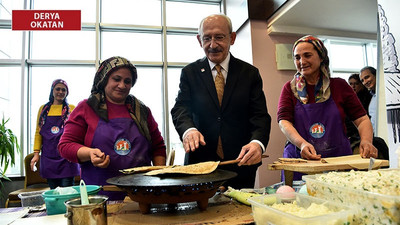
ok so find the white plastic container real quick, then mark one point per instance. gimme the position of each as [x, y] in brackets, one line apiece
[264, 214]
[374, 208]
[33, 198]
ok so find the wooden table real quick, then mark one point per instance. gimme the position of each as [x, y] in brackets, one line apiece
[221, 210]
[316, 166]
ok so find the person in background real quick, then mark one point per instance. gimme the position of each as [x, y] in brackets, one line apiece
[313, 106]
[368, 79]
[112, 130]
[365, 97]
[361, 91]
[220, 112]
[51, 118]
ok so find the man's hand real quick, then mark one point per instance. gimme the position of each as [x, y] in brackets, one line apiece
[367, 150]
[99, 159]
[250, 154]
[308, 151]
[192, 140]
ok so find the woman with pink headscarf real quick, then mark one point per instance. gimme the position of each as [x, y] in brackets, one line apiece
[313, 106]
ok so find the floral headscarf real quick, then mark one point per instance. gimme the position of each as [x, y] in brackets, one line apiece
[298, 84]
[97, 98]
[46, 108]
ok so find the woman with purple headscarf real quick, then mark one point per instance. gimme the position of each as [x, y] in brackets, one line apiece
[112, 129]
[52, 116]
[313, 106]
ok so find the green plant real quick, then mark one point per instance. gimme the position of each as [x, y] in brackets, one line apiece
[8, 147]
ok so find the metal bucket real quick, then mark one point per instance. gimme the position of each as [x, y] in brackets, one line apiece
[95, 213]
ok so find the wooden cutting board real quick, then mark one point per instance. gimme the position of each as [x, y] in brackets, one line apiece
[355, 161]
[334, 163]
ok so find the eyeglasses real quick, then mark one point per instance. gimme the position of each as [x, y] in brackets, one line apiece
[217, 38]
[61, 89]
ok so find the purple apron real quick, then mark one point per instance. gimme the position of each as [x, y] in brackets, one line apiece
[52, 165]
[321, 125]
[121, 140]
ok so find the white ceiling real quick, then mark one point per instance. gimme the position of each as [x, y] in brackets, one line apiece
[340, 18]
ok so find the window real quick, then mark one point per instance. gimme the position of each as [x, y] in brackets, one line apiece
[134, 29]
[180, 43]
[10, 104]
[192, 12]
[10, 44]
[50, 45]
[132, 12]
[173, 84]
[79, 80]
[131, 45]
[87, 7]
[349, 57]
[6, 7]
[149, 90]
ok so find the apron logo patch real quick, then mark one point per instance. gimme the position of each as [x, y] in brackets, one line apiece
[122, 146]
[55, 130]
[317, 130]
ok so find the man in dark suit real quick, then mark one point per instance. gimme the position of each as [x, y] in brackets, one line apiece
[236, 126]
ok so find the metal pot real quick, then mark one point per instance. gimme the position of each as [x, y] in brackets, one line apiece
[95, 213]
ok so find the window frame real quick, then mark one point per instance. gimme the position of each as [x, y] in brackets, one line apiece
[369, 58]
[26, 63]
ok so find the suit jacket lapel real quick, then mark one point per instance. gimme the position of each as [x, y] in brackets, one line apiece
[206, 76]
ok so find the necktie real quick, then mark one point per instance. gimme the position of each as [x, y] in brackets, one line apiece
[219, 86]
[219, 83]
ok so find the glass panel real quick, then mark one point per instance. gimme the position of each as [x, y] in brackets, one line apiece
[131, 12]
[344, 76]
[79, 80]
[183, 48]
[148, 89]
[7, 6]
[372, 53]
[10, 44]
[87, 7]
[77, 45]
[346, 56]
[191, 12]
[374, 57]
[10, 106]
[133, 46]
[173, 88]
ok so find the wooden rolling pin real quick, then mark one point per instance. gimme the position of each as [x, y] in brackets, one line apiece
[236, 161]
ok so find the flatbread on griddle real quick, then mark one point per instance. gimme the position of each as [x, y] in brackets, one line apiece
[142, 169]
[198, 168]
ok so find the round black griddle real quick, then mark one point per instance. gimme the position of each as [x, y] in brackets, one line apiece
[168, 180]
[171, 188]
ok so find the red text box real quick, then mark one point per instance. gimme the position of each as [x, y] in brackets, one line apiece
[46, 19]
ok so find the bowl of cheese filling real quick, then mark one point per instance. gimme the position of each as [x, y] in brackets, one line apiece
[278, 209]
[375, 194]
